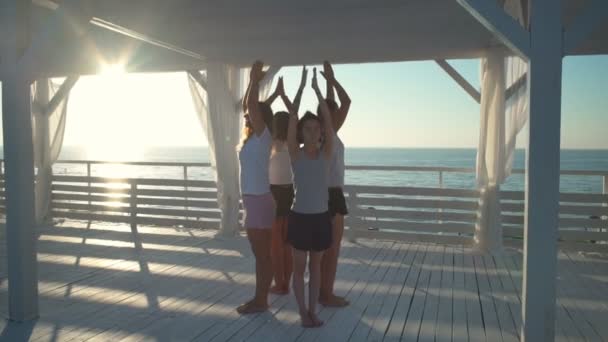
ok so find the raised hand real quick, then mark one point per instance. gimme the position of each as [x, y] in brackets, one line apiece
[257, 73]
[304, 76]
[280, 87]
[315, 83]
[328, 71]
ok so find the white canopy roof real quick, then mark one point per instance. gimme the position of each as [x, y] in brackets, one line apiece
[281, 32]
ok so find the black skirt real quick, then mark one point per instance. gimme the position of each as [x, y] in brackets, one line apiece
[337, 202]
[283, 197]
[309, 232]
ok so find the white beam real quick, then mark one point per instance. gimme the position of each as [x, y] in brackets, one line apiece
[497, 21]
[19, 164]
[515, 87]
[462, 82]
[61, 94]
[594, 15]
[542, 172]
[199, 78]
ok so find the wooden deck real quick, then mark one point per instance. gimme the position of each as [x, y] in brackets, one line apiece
[104, 282]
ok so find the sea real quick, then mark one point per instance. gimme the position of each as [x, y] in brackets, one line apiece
[588, 160]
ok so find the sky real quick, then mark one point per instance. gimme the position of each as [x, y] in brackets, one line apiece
[410, 104]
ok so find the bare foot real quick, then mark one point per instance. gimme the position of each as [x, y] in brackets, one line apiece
[279, 290]
[334, 301]
[306, 321]
[251, 307]
[315, 319]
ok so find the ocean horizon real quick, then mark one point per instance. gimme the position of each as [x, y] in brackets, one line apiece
[571, 159]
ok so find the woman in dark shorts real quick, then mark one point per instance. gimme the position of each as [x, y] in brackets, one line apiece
[337, 203]
[281, 179]
[309, 223]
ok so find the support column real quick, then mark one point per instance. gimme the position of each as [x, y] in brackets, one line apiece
[43, 150]
[19, 162]
[542, 172]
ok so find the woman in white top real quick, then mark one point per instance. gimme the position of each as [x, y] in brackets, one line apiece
[258, 204]
[281, 186]
[337, 203]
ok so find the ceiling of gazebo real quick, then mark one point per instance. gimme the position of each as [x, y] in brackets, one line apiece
[285, 32]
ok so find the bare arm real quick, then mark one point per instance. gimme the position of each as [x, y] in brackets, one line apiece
[328, 73]
[292, 129]
[298, 97]
[325, 117]
[246, 97]
[327, 70]
[344, 104]
[274, 95]
[253, 98]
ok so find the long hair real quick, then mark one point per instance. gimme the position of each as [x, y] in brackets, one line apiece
[266, 112]
[280, 124]
[306, 117]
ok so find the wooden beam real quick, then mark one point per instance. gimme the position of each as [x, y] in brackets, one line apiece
[592, 17]
[19, 163]
[462, 82]
[542, 172]
[199, 78]
[497, 21]
[522, 81]
[61, 94]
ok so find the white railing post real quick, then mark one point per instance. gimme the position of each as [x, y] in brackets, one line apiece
[133, 203]
[354, 214]
[89, 183]
[440, 210]
[186, 207]
[605, 192]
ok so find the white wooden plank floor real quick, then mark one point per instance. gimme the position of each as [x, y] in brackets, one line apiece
[104, 282]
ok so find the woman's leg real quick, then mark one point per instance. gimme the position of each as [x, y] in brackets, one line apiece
[329, 266]
[314, 267]
[260, 240]
[299, 267]
[278, 259]
[287, 257]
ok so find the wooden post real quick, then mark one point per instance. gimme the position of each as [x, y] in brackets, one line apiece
[542, 172]
[19, 159]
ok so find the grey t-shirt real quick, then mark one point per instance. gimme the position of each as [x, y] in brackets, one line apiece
[311, 179]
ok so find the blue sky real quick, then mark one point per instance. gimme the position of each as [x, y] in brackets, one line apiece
[413, 104]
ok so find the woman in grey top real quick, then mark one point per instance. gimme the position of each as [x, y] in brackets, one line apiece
[309, 223]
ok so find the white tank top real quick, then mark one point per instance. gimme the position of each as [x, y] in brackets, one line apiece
[254, 159]
[336, 167]
[280, 165]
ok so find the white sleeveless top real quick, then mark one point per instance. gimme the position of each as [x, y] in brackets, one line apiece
[254, 159]
[280, 165]
[336, 167]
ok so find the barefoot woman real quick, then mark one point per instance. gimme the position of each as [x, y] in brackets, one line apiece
[258, 204]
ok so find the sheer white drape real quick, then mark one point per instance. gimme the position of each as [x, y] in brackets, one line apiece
[218, 107]
[48, 132]
[504, 112]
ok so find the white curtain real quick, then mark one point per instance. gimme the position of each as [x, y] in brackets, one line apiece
[502, 118]
[219, 110]
[48, 132]
[491, 151]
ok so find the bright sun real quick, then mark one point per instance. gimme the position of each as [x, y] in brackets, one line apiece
[115, 137]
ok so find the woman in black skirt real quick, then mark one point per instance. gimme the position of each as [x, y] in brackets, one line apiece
[309, 223]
